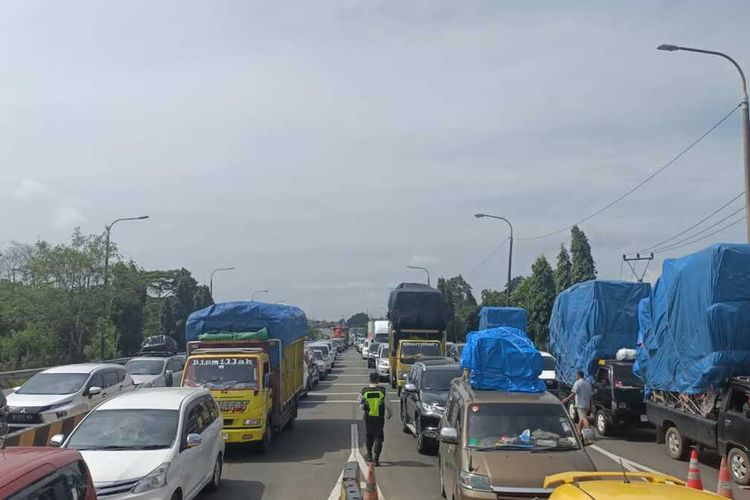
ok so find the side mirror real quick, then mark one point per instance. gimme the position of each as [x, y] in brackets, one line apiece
[266, 380]
[168, 378]
[193, 441]
[410, 388]
[448, 435]
[57, 440]
[93, 391]
[587, 436]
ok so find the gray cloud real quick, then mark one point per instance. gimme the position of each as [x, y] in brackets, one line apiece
[321, 146]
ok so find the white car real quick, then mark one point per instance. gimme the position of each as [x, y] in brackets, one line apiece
[383, 364]
[163, 443]
[64, 391]
[320, 362]
[327, 351]
[365, 346]
[155, 371]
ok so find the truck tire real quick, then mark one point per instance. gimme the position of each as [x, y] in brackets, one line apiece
[602, 424]
[572, 412]
[678, 447]
[739, 466]
[265, 444]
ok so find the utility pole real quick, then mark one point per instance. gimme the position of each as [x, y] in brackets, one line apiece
[637, 258]
[510, 252]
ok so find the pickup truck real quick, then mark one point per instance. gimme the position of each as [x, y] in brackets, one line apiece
[726, 428]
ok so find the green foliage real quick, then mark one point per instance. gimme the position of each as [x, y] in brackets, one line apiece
[462, 305]
[583, 267]
[541, 298]
[563, 278]
[494, 298]
[360, 319]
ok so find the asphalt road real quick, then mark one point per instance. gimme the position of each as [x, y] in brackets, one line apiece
[306, 461]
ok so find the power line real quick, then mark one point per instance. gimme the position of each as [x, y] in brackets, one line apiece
[727, 226]
[678, 242]
[640, 184]
[484, 261]
[657, 245]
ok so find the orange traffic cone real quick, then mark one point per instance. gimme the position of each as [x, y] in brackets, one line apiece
[694, 473]
[371, 490]
[724, 488]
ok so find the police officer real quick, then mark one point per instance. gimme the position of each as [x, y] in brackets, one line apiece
[373, 400]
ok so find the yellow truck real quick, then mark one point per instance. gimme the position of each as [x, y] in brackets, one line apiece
[418, 316]
[250, 356]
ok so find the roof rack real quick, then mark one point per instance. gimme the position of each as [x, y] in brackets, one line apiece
[155, 354]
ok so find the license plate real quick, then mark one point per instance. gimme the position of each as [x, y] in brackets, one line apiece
[232, 406]
[21, 417]
[644, 418]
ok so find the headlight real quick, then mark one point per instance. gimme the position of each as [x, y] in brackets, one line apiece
[432, 408]
[154, 479]
[252, 422]
[475, 482]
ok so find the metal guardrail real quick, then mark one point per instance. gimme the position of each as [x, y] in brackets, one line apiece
[23, 374]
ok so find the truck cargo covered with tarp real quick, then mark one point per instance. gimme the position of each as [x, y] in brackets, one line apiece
[417, 306]
[695, 327]
[245, 320]
[502, 359]
[591, 321]
[493, 317]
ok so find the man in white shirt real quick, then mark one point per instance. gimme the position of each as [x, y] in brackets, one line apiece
[582, 391]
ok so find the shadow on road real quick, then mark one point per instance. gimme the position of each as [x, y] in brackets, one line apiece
[644, 435]
[320, 436]
[405, 463]
[237, 488]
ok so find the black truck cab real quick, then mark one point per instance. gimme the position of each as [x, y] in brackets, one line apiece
[618, 397]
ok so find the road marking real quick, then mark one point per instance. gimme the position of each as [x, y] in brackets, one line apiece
[354, 456]
[628, 464]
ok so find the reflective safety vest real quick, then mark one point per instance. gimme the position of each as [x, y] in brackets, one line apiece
[374, 399]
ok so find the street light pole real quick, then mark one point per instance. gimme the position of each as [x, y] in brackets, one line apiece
[255, 292]
[423, 269]
[745, 119]
[211, 280]
[108, 229]
[510, 252]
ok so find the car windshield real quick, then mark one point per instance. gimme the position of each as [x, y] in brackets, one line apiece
[383, 353]
[439, 380]
[381, 338]
[126, 429]
[318, 355]
[519, 426]
[321, 348]
[548, 363]
[374, 348]
[54, 383]
[623, 377]
[413, 349]
[223, 373]
[145, 366]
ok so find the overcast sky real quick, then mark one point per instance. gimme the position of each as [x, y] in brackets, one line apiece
[320, 147]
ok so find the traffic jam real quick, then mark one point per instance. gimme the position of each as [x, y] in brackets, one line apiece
[505, 419]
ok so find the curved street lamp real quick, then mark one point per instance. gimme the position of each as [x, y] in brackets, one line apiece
[745, 118]
[510, 251]
[211, 280]
[256, 292]
[423, 269]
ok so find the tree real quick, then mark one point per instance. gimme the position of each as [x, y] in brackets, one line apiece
[462, 307]
[493, 298]
[358, 320]
[521, 295]
[128, 296]
[541, 298]
[563, 271]
[583, 267]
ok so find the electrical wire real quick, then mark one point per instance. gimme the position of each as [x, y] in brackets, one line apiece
[640, 184]
[733, 223]
[678, 242]
[484, 261]
[704, 219]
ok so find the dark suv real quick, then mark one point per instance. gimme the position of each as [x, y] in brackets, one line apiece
[423, 399]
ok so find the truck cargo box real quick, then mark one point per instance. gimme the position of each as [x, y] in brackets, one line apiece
[417, 306]
[493, 317]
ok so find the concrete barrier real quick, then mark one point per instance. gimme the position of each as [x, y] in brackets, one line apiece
[39, 435]
[351, 488]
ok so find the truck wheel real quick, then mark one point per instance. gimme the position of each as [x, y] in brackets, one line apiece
[602, 424]
[677, 446]
[739, 466]
[265, 443]
[572, 412]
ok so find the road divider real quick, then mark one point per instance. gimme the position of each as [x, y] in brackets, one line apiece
[39, 435]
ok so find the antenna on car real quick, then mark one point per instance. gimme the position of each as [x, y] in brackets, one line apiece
[624, 474]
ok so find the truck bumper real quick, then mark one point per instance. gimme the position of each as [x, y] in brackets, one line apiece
[242, 435]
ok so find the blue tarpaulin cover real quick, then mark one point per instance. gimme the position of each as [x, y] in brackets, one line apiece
[695, 328]
[492, 317]
[502, 359]
[283, 322]
[591, 321]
